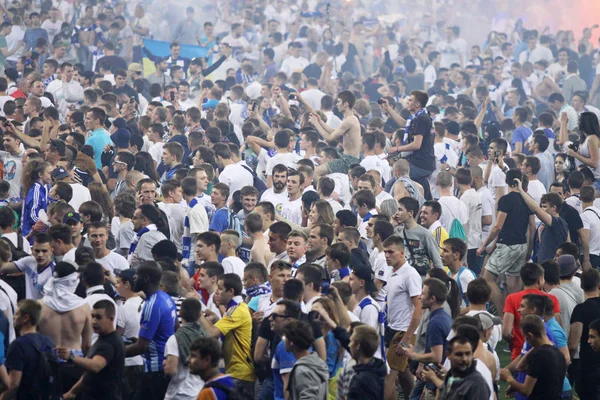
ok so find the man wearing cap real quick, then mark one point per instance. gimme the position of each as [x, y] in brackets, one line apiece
[81, 194]
[368, 311]
[74, 221]
[128, 325]
[187, 30]
[134, 71]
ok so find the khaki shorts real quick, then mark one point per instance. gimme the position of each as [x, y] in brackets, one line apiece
[342, 165]
[396, 362]
[507, 259]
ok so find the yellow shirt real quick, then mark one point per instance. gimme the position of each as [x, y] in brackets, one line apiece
[236, 328]
[440, 235]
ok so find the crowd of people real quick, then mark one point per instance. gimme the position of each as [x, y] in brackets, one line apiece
[337, 202]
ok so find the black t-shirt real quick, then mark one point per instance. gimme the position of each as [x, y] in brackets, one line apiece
[548, 365]
[313, 71]
[115, 63]
[23, 356]
[424, 157]
[514, 230]
[585, 313]
[106, 384]
[573, 219]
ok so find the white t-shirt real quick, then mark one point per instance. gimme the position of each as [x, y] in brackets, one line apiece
[183, 386]
[128, 318]
[402, 285]
[293, 64]
[92, 298]
[382, 272]
[536, 190]
[591, 220]
[473, 201]
[313, 97]
[287, 159]
[13, 170]
[342, 186]
[113, 261]
[496, 336]
[156, 151]
[487, 208]
[236, 177]
[175, 214]
[377, 164]
[234, 265]
[369, 315]
[34, 280]
[8, 304]
[496, 180]
[69, 255]
[335, 205]
[452, 208]
[52, 28]
[381, 197]
[575, 202]
[292, 210]
[81, 194]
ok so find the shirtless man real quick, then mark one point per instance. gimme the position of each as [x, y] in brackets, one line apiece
[66, 319]
[349, 131]
[260, 252]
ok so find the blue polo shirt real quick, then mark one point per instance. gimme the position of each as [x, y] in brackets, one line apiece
[438, 329]
[282, 363]
[98, 140]
[157, 324]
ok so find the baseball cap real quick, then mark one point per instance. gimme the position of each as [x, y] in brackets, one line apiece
[59, 173]
[567, 265]
[121, 138]
[487, 320]
[71, 217]
[126, 275]
[367, 275]
[120, 122]
[135, 67]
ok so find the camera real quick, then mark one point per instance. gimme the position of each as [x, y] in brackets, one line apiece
[574, 147]
[433, 367]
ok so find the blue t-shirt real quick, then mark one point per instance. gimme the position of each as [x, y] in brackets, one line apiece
[157, 324]
[98, 140]
[282, 363]
[521, 134]
[220, 220]
[438, 329]
[333, 354]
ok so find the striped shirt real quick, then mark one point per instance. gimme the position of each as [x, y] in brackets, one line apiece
[36, 200]
[157, 325]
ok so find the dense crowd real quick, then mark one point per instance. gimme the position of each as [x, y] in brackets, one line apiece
[339, 201]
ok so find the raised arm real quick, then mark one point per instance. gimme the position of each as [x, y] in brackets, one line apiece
[533, 206]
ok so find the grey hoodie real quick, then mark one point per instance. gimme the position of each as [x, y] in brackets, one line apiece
[309, 379]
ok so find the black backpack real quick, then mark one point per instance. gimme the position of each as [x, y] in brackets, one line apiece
[16, 251]
[46, 383]
[258, 183]
[231, 393]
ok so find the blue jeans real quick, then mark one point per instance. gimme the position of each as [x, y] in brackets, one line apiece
[267, 390]
[420, 176]
[417, 390]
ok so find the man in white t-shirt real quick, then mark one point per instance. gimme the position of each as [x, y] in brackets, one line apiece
[13, 166]
[530, 167]
[294, 62]
[52, 25]
[183, 385]
[452, 208]
[8, 297]
[232, 264]
[62, 243]
[285, 156]
[277, 194]
[430, 71]
[111, 261]
[128, 325]
[292, 208]
[155, 135]
[453, 255]
[370, 160]
[495, 175]
[174, 210]
[233, 175]
[472, 200]
[312, 95]
[81, 194]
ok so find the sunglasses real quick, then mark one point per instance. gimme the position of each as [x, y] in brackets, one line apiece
[275, 316]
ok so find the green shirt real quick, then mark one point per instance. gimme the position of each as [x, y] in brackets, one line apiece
[5, 45]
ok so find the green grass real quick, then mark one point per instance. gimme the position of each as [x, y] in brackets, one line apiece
[504, 361]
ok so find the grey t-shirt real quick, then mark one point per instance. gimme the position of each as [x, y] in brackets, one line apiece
[143, 250]
[569, 295]
[421, 248]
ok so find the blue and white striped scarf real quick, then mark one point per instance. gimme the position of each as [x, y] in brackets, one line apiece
[136, 240]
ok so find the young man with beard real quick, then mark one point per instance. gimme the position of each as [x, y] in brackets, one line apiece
[158, 322]
[277, 193]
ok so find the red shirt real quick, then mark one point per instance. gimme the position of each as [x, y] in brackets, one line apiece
[511, 305]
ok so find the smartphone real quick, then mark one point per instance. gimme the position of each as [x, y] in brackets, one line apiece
[254, 106]
[404, 345]
[433, 367]
[172, 94]
[496, 154]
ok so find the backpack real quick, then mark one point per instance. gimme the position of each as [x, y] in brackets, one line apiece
[231, 393]
[456, 229]
[234, 223]
[16, 251]
[46, 382]
[256, 181]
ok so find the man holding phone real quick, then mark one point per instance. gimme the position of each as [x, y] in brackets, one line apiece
[514, 229]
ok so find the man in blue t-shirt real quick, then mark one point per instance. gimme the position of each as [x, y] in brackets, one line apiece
[521, 132]
[157, 324]
[220, 219]
[283, 361]
[439, 326]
